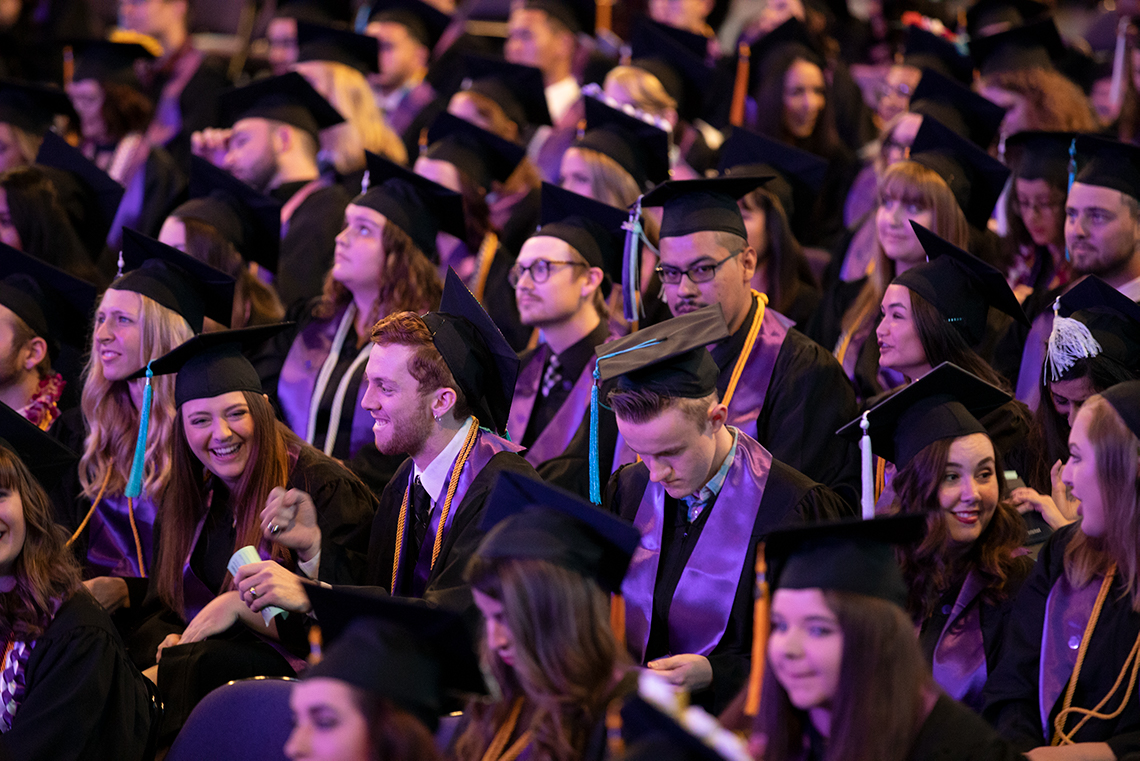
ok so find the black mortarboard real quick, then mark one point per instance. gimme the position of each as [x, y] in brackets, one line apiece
[844, 556]
[638, 146]
[1125, 399]
[797, 175]
[1036, 155]
[528, 519]
[650, 734]
[926, 50]
[106, 61]
[591, 228]
[212, 364]
[55, 305]
[960, 286]
[668, 358]
[31, 107]
[1108, 317]
[975, 178]
[417, 656]
[791, 33]
[1109, 164]
[317, 42]
[317, 11]
[248, 219]
[692, 206]
[483, 156]
[175, 280]
[677, 59]
[482, 362]
[99, 195]
[1032, 46]
[416, 205]
[991, 12]
[958, 107]
[424, 22]
[288, 98]
[943, 404]
[518, 89]
[579, 16]
[47, 459]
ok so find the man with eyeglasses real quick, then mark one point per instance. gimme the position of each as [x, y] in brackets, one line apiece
[780, 387]
[562, 276]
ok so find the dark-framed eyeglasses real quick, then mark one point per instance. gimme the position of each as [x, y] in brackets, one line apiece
[698, 273]
[539, 270]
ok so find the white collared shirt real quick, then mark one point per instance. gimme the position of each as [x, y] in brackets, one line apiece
[434, 477]
[560, 96]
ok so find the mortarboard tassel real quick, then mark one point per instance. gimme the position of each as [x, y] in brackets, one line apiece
[740, 86]
[365, 182]
[632, 308]
[134, 481]
[868, 476]
[595, 474]
[1072, 179]
[1069, 341]
[760, 629]
[315, 642]
[121, 264]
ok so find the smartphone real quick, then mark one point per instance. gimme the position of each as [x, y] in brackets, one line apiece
[1037, 529]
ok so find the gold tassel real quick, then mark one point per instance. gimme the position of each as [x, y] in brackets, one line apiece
[740, 87]
[760, 627]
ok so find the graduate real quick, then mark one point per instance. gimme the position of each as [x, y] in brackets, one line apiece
[27, 111]
[1074, 628]
[703, 494]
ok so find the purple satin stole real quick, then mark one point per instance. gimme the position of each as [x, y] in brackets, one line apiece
[401, 117]
[748, 399]
[960, 655]
[1067, 613]
[487, 445]
[702, 602]
[556, 436]
[111, 542]
[298, 378]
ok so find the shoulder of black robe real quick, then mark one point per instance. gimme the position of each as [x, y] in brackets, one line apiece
[499, 299]
[952, 732]
[198, 104]
[84, 699]
[804, 303]
[571, 469]
[307, 248]
[995, 615]
[374, 469]
[165, 186]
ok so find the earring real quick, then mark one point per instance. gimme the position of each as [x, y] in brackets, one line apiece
[437, 419]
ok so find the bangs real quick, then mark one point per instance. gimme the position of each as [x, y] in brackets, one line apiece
[911, 183]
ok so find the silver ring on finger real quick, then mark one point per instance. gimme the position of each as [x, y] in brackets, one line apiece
[253, 592]
[274, 529]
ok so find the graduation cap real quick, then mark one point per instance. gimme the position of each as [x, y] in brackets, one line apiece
[424, 22]
[318, 42]
[288, 98]
[1031, 46]
[482, 362]
[946, 403]
[250, 220]
[528, 519]
[975, 178]
[668, 358]
[417, 656]
[1125, 399]
[1037, 155]
[1109, 164]
[638, 146]
[47, 459]
[518, 89]
[31, 107]
[175, 280]
[55, 305]
[579, 16]
[692, 206]
[650, 734]
[1015, 13]
[416, 205]
[791, 33]
[926, 50]
[1091, 319]
[212, 364]
[960, 286]
[845, 556]
[796, 174]
[591, 228]
[956, 106]
[677, 58]
[97, 194]
[483, 156]
[317, 11]
[106, 61]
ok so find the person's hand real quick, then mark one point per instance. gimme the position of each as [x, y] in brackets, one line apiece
[109, 591]
[1028, 500]
[290, 519]
[219, 615]
[171, 640]
[690, 671]
[211, 144]
[1061, 496]
[1075, 752]
[757, 745]
[269, 583]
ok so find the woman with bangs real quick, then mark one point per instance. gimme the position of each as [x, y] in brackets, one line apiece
[1074, 634]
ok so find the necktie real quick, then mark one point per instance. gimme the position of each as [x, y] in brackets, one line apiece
[421, 508]
[552, 376]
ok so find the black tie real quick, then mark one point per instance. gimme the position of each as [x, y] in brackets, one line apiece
[421, 509]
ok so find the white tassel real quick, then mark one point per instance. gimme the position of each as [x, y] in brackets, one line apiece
[1069, 341]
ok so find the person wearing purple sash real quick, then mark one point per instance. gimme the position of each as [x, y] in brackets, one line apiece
[962, 578]
[702, 496]
[1075, 628]
[236, 478]
[562, 278]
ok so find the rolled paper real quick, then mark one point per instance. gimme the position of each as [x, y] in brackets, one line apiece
[246, 555]
[868, 474]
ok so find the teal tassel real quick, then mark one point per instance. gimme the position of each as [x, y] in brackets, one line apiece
[134, 482]
[631, 264]
[595, 466]
[1072, 179]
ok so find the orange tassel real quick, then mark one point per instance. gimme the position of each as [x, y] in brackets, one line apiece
[740, 87]
[617, 618]
[760, 627]
[604, 16]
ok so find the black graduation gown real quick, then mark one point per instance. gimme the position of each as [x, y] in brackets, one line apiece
[307, 247]
[499, 299]
[953, 732]
[84, 699]
[445, 584]
[1012, 689]
[789, 498]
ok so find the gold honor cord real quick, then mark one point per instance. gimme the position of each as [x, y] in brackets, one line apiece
[499, 742]
[483, 261]
[746, 351]
[130, 515]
